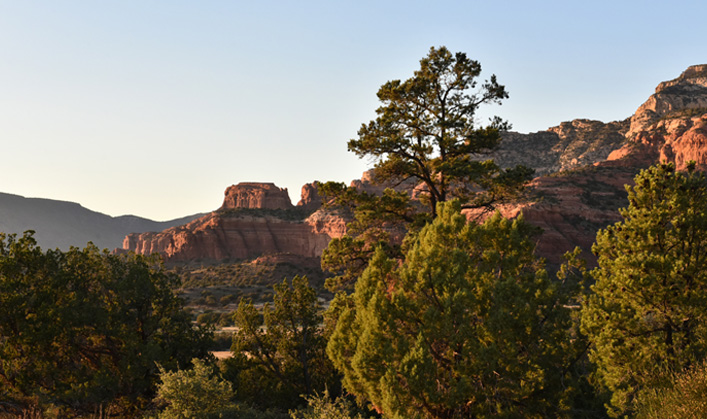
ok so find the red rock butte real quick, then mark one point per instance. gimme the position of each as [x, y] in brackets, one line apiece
[255, 219]
[256, 195]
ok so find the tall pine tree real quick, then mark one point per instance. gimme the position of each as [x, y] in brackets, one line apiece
[426, 135]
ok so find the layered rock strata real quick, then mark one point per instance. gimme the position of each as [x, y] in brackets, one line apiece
[565, 147]
[256, 195]
[254, 220]
[685, 94]
[220, 236]
[589, 163]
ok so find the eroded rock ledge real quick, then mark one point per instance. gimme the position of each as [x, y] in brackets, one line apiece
[255, 219]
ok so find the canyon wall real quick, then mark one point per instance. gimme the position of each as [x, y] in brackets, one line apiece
[582, 167]
[585, 186]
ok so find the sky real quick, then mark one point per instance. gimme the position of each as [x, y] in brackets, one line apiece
[153, 108]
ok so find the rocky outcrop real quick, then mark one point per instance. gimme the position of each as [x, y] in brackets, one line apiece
[310, 199]
[231, 235]
[677, 140]
[253, 221]
[570, 207]
[674, 98]
[586, 186]
[256, 196]
[328, 223]
[572, 144]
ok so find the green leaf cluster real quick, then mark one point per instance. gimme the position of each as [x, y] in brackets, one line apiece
[194, 393]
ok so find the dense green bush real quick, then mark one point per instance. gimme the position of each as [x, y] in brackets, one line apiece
[467, 325]
[646, 314]
[81, 332]
[195, 393]
[281, 351]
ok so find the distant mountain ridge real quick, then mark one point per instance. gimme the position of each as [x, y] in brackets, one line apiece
[62, 224]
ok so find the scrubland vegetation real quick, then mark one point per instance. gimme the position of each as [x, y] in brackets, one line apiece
[432, 316]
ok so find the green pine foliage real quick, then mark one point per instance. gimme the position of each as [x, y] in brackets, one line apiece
[425, 135]
[281, 352]
[426, 131]
[647, 315]
[81, 332]
[195, 393]
[469, 325]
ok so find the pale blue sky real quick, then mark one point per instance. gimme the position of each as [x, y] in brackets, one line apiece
[153, 108]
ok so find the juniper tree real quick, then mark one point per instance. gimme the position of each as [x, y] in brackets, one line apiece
[82, 331]
[468, 325]
[647, 316]
[280, 352]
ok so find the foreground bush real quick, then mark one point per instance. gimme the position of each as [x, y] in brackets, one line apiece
[467, 325]
[194, 393]
[82, 332]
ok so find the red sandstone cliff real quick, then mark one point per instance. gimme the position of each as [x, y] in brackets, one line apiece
[584, 166]
[310, 199]
[571, 205]
[219, 236]
[256, 195]
[254, 220]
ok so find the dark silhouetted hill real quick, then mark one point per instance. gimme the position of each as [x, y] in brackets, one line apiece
[61, 224]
